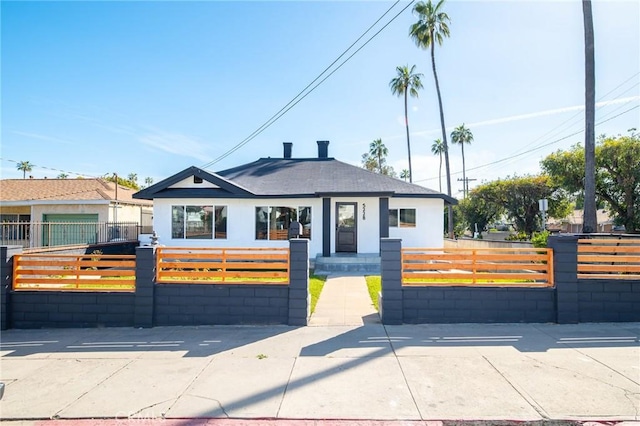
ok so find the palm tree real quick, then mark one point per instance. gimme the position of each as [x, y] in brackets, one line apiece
[438, 149]
[590, 222]
[24, 167]
[62, 176]
[432, 27]
[148, 181]
[462, 135]
[404, 174]
[133, 178]
[407, 81]
[378, 151]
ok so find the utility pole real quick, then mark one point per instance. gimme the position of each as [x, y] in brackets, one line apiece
[465, 185]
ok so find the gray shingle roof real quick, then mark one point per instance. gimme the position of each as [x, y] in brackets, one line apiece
[279, 176]
[299, 177]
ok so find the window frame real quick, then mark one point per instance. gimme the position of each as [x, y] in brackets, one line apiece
[399, 223]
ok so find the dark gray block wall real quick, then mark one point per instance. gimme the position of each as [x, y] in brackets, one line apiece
[6, 282]
[45, 309]
[202, 304]
[477, 305]
[565, 277]
[609, 300]
[391, 303]
[299, 296]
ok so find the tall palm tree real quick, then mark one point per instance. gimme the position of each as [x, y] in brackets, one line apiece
[63, 176]
[462, 135]
[432, 27]
[24, 167]
[590, 222]
[133, 178]
[378, 150]
[438, 149]
[404, 174]
[407, 81]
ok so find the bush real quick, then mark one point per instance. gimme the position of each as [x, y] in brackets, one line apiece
[520, 236]
[539, 239]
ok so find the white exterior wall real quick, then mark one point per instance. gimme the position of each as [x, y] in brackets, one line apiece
[241, 217]
[127, 213]
[241, 222]
[429, 228]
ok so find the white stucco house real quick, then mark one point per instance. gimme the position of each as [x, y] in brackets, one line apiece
[339, 207]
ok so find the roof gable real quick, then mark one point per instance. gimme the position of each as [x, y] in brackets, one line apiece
[183, 185]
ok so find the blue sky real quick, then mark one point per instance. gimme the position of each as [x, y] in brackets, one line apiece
[91, 88]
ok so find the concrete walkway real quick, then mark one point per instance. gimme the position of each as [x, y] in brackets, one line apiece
[364, 372]
[344, 301]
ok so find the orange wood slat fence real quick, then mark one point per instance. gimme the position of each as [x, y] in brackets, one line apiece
[222, 265]
[477, 267]
[67, 272]
[609, 258]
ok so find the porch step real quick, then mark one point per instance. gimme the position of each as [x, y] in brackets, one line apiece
[352, 263]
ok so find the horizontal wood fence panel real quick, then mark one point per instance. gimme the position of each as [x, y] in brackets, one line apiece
[222, 265]
[528, 267]
[609, 258]
[95, 272]
[476, 266]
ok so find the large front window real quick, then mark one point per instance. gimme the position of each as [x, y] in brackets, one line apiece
[199, 222]
[273, 223]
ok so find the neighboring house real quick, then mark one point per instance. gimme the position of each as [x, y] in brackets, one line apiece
[65, 200]
[339, 207]
[573, 222]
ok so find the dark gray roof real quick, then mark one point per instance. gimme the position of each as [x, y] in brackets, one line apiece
[280, 177]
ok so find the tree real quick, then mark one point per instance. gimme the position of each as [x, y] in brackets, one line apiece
[148, 181]
[432, 27]
[62, 176]
[375, 159]
[438, 149]
[589, 223]
[405, 174]
[480, 208]
[518, 198]
[407, 81]
[133, 178]
[127, 183]
[24, 167]
[617, 177]
[462, 135]
[379, 151]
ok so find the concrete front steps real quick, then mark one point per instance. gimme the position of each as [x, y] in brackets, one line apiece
[348, 263]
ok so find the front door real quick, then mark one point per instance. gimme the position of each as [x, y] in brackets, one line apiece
[346, 227]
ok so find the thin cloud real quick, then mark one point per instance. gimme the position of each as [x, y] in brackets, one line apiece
[42, 137]
[176, 144]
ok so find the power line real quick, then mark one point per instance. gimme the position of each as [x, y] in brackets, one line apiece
[300, 96]
[535, 148]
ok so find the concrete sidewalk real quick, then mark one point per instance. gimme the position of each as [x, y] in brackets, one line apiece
[363, 371]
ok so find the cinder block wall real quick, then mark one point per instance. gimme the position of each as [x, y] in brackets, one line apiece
[71, 310]
[478, 305]
[609, 300]
[197, 304]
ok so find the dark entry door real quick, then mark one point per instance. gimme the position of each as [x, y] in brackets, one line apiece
[346, 227]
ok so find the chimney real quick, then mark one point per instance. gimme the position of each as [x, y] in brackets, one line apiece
[287, 149]
[323, 149]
